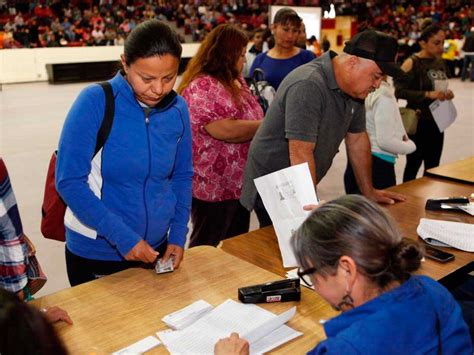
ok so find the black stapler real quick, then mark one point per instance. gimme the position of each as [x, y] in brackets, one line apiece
[445, 203]
[276, 291]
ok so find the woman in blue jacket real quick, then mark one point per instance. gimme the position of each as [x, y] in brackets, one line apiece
[359, 263]
[128, 204]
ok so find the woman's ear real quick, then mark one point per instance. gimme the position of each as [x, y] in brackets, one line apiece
[348, 267]
[124, 63]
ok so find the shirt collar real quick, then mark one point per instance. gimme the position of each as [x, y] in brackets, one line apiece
[328, 69]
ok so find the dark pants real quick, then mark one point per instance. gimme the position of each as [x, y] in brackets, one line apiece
[264, 219]
[429, 145]
[216, 221]
[81, 270]
[383, 176]
[468, 61]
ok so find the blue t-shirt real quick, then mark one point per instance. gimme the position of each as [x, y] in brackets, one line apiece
[276, 69]
[414, 318]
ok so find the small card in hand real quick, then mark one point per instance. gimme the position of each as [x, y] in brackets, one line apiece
[161, 268]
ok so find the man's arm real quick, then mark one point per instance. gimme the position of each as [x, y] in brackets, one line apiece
[359, 155]
[301, 152]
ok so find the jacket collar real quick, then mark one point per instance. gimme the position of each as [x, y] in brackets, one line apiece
[124, 87]
[347, 319]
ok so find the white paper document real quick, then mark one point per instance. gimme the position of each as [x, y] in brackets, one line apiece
[444, 113]
[468, 208]
[446, 233]
[139, 347]
[263, 329]
[187, 315]
[284, 194]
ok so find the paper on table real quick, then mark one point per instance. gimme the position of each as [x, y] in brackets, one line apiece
[182, 318]
[279, 336]
[444, 113]
[468, 208]
[139, 347]
[269, 326]
[454, 234]
[201, 336]
[284, 194]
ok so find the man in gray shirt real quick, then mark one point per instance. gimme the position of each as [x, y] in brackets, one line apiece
[317, 106]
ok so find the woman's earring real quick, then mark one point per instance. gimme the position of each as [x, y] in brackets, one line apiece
[346, 304]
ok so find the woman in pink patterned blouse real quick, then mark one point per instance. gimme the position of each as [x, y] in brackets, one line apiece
[224, 118]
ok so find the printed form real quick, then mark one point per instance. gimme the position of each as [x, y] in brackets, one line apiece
[284, 194]
[263, 329]
[446, 233]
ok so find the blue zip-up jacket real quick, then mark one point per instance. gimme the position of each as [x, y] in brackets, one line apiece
[419, 317]
[138, 186]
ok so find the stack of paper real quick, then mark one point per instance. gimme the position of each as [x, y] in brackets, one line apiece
[284, 194]
[262, 329]
[188, 315]
[446, 233]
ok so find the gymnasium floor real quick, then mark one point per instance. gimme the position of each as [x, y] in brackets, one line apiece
[31, 117]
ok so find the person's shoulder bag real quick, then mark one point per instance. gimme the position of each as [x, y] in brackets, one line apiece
[54, 208]
[410, 117]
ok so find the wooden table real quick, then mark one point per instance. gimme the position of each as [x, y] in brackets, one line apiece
[462, 170]
[118, 310]
[260, 247]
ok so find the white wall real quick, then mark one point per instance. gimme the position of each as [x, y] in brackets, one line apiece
[24, 65]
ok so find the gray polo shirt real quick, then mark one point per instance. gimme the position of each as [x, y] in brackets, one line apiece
[309, 106]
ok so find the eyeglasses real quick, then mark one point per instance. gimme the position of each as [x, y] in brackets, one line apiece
[302, 273]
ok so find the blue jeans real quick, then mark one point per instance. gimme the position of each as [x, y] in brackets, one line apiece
[468, 59]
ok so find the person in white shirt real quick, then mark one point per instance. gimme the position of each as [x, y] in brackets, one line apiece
[388, 138]
[254, 50]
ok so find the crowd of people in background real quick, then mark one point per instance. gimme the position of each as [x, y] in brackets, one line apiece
[68, 23]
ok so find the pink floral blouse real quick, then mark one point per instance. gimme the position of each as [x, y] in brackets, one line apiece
[218, 165]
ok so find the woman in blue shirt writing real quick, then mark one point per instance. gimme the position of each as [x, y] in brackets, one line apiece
[358, 262]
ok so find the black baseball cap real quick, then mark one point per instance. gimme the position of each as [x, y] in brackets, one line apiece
[377, 46]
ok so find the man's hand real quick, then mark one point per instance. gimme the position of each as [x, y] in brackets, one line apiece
[449, 95]
[142, 251]
[386, 197]
[56, 314]
[313, 207]
[175, 252]
[232, 345]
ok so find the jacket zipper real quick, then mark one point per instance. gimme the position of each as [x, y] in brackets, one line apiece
[147, 122]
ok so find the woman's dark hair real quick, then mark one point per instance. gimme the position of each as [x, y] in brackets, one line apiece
[24, 330]
[287, 16]
[217, 56]
[353, 226]
[428, 30]
[151, 38]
